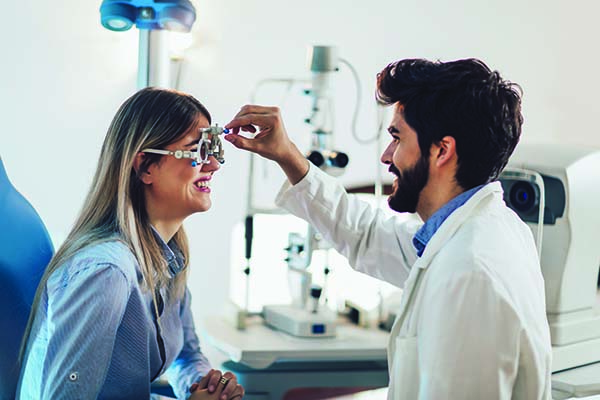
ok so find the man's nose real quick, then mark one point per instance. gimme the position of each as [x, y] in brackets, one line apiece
[386, 156]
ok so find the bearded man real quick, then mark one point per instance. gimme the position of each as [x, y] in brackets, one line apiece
[472, 322]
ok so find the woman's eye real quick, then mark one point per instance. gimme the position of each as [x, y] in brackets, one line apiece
[194, 150]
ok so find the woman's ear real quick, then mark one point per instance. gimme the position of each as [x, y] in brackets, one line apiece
[141, 171]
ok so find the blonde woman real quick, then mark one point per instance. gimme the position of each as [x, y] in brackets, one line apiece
[112, 311]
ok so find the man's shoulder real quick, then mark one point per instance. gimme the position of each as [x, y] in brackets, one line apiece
[493, 241]
[492, 221]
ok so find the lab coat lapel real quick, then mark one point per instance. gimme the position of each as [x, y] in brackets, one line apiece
[407, 295]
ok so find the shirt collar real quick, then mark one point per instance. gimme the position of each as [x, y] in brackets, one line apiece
[172, 253]
[429, 228]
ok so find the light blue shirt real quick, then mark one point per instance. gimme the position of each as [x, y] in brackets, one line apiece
[95, 336]
[429, 228]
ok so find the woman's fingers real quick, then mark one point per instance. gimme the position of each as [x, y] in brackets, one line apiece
[222, 385]
[238, 393]
[229, 382]
[213, 381]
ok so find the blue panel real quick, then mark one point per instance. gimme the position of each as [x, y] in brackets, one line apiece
[318, 329]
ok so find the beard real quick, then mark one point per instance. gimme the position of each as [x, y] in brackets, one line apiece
[409, 185]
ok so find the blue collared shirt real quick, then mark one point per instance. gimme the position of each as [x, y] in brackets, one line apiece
[426, 232]
[95, 335]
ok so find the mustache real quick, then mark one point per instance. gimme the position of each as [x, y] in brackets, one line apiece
[394, 170]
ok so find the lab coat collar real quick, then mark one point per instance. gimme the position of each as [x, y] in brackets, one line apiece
[454, 221]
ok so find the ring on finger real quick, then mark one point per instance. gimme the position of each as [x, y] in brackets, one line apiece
[223, 380]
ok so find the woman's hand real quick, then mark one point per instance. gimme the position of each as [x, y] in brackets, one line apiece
[224, 385]
[272, 140]
[202, 394]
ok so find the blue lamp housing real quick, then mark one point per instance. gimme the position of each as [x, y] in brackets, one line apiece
[173, 15]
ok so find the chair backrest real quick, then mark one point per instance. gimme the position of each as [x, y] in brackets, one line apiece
[25, 250]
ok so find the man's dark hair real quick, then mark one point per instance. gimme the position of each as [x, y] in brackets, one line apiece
[463, 99]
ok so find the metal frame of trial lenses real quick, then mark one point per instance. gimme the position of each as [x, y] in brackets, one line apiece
[210, 145]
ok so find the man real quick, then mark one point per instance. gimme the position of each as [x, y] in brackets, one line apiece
[472, 323]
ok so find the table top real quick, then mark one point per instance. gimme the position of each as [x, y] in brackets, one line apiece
[259, 346]
[578, 382]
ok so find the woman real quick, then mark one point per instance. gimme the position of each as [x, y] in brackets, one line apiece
[112, 311]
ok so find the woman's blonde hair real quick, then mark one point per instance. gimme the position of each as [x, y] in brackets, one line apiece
[115, 204]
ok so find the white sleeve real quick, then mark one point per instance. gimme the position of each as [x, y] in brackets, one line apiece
[374, 243]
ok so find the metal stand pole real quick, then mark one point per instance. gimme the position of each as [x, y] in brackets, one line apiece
[154, 65]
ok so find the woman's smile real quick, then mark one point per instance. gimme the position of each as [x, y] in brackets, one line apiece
[203, 184]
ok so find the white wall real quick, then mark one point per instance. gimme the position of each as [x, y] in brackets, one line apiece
[62, 77]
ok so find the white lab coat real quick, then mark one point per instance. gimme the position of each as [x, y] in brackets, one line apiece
[475, 327]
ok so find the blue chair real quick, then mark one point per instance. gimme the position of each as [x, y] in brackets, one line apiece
[25, 250]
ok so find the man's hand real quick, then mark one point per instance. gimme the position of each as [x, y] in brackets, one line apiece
[271, 141]
[211, 384]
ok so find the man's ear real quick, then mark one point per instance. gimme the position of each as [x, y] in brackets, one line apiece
[141, 171]
[444, 151]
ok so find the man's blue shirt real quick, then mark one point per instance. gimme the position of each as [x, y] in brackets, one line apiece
[426, 232]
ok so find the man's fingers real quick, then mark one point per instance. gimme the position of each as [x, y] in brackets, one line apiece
[260, 120]
[249, 128]
[241, 142]
[261, 134]
[256, 109]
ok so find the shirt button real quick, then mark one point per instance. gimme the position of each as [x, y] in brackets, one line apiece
[73, 377]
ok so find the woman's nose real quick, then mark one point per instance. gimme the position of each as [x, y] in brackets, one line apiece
[212, 164]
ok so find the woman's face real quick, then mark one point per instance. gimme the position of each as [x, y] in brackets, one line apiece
[177, 189]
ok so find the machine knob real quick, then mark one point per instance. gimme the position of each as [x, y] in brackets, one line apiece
[316, 158]
[315, 292]
[338, 159]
